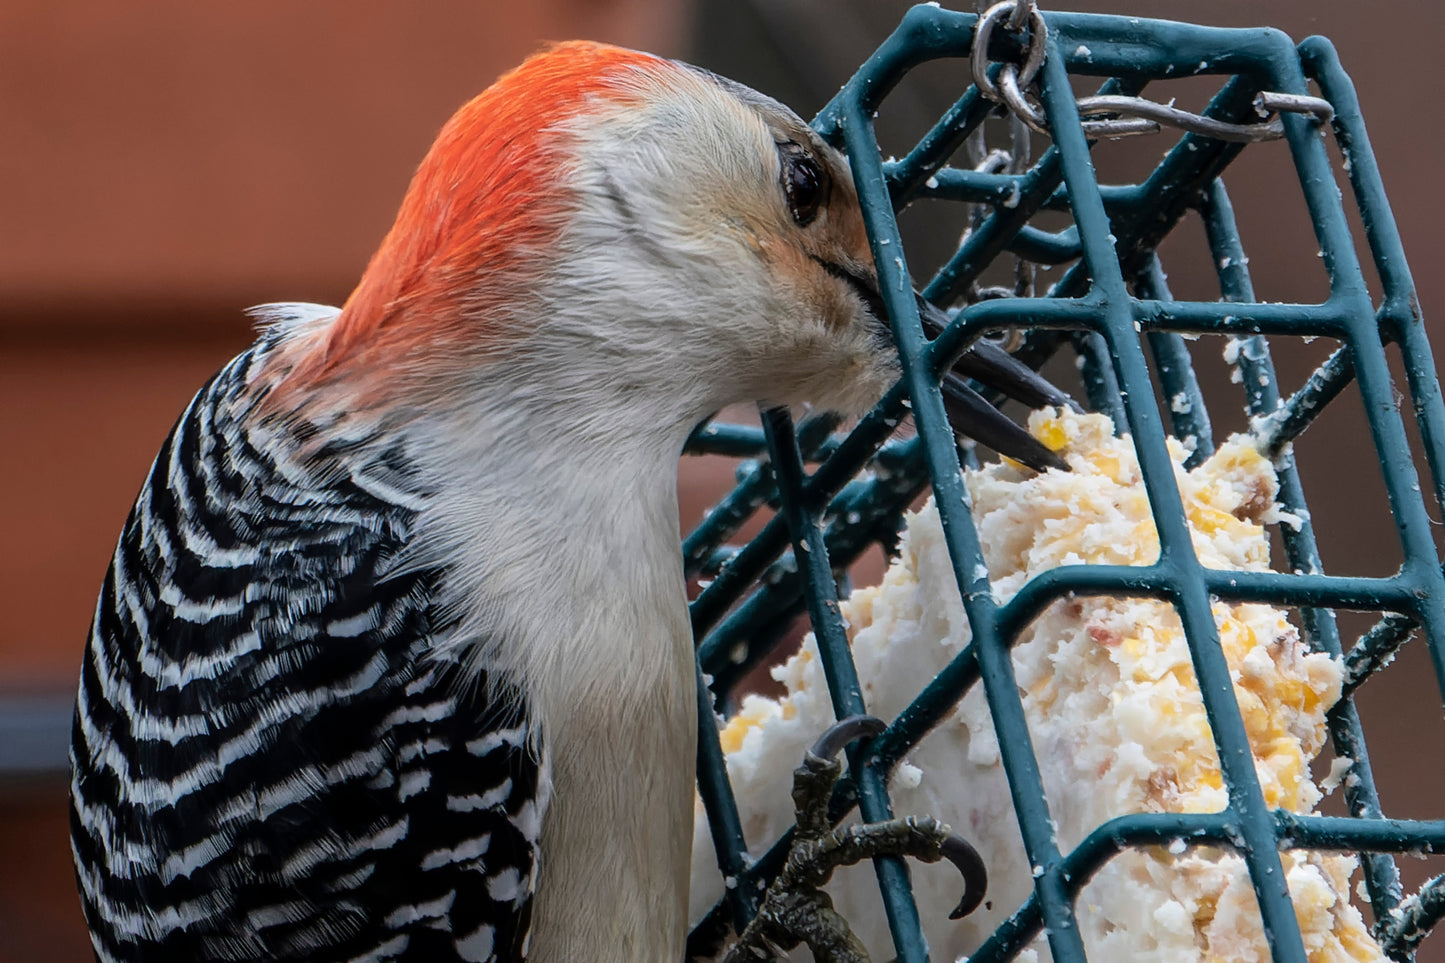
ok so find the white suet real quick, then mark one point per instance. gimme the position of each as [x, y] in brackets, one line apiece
[1114, 713]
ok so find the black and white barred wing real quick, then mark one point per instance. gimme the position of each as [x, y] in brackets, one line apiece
[266, 764]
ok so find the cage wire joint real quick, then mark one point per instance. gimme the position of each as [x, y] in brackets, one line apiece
[838, 493]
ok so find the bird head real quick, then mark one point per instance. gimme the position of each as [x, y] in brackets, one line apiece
[631, 225]
[614, 232]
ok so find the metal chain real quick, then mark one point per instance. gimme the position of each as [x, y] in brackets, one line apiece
[1013, 79]
[1015, 160]
[1122, 116]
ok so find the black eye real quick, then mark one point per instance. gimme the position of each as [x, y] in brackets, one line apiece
[803, 183]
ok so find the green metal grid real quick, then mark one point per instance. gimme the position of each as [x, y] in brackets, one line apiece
[1107, 307]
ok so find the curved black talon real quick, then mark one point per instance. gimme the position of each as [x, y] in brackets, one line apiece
[844, 731]
[967, 861]
[795, 908]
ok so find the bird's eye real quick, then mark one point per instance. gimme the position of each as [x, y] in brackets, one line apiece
[803, 183]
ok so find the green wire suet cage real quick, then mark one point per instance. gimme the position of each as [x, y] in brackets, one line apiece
[836, 494]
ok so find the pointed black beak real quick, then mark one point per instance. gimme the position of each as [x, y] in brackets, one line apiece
[989, 365]
[971, 415]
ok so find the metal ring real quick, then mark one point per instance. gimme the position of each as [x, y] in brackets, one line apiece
[978, 54]
[1038, 47]
[1034, 52]
[996, 161]
[1008, 83]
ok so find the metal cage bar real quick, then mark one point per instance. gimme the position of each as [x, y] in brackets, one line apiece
[1108, 305]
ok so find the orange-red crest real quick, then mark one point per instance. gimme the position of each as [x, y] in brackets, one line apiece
[478, 218]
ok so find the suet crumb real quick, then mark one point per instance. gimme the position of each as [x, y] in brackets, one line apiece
[1114, 712]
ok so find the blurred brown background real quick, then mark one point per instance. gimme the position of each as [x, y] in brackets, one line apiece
[166, 164]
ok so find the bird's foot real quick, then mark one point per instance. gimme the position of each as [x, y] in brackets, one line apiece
[795, 909]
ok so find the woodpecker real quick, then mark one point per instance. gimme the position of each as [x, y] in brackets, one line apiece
[392, 661]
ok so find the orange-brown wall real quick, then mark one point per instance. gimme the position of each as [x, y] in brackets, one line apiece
[165, 164]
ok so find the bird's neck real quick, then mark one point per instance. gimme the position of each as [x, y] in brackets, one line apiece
[560, 540]
[555, 525]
